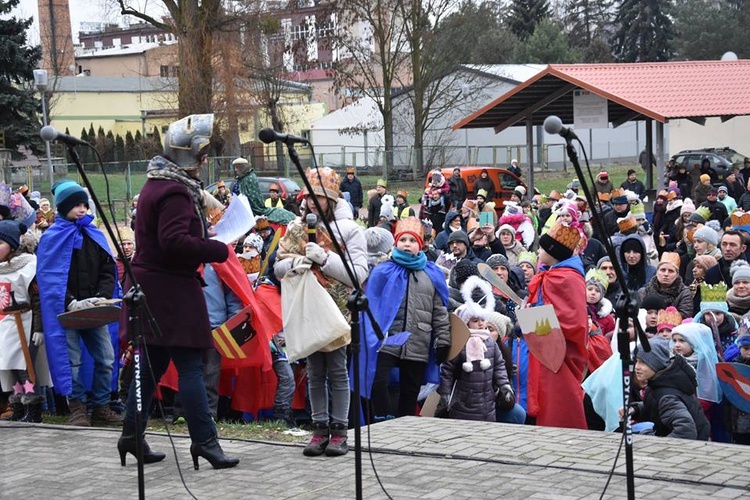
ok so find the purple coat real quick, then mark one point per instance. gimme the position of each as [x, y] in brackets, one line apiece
[170, 250]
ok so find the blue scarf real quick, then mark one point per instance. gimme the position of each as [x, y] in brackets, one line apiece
[386, 287]
[409, 260]
[54, 255]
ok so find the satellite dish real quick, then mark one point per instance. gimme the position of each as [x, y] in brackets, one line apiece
[729, 56]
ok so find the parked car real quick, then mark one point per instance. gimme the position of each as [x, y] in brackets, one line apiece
[504, 180]
[289, 188]
[721, 160]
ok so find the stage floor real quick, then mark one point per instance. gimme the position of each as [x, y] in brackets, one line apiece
[414, 457]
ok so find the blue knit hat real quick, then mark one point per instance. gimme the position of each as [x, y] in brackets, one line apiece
[11, 231]
[67, 195]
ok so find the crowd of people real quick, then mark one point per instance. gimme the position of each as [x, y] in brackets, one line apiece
[422, 271]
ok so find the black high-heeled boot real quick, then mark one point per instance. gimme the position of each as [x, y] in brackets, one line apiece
[211, 451]
[126, 444]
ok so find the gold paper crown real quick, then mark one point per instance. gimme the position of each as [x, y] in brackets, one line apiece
[471, 224]
[669, 316]
[616, 193]
[740, 219]
[599, 276]
[261, 223]
[662, 194]
[565, 235]
[603, 197]
[403, 193]
[126, 234]
[704, 212]
[672, 258]
[690, 234]
[554, 195]
[713, 293]
[326, 185]
[625, 224]
[409, 225]
[482, 193]
[671, 195]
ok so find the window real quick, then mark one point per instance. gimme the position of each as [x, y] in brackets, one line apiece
[164, 71]
[175, 71]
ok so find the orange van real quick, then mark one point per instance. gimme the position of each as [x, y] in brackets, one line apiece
[504, 180]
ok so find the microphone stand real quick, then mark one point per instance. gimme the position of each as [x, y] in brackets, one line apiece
[356, 303]
[135, 301]
[626, 308]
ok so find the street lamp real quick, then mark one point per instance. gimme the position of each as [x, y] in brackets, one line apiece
[40, 80]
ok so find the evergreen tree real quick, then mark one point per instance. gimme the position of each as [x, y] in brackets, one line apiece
[548, 45]
[708, 31]
[119, 148]
[644, 31]
[92, 134]
[586, 20]
[525, 15]
[130, 149]
[19, 106]
[85, 153]
[109, 147]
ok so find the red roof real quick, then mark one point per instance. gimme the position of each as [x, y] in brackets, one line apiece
[662, 91]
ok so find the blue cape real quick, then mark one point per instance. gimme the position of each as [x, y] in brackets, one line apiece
[53, 264]
[386, 287]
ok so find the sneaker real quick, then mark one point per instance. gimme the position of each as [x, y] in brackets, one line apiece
[337, 444]
[318, 442]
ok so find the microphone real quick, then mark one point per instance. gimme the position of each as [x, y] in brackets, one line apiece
[554, 125]
[269, 135]
[48, 133]
[311, 220]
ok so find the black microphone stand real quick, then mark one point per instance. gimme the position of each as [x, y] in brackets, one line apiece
[135, 301]
[356, 303]
[626, 308]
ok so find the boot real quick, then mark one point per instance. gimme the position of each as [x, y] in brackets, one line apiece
[285, 416]
[78, 413]
[318, 442]
[126, 444]
[211, 451]
[337, 445]
[103, 415]
[16, 406]
[33, 404]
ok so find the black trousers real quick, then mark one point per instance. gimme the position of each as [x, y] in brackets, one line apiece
[411, 374]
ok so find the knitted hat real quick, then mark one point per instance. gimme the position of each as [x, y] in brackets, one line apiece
[507, 227]
[503, 324]
[618, 197]
[68, 194]
[255, 241]
[687, 207]
[627, 224]
[498, 259]
[482, 193]
[653, 302]
[528, 257]
[325, 182]
[707, 234]
[743, 339]
[412, 226]
[740, 270]
[722, 188]
[470, 310]
[602, 261]
[668, 318]
[382, 183]
[638, 210]
[463, 270]
[658, 358]
[670, 258]
[520, 190]
[631, 244]
[11, 231]
[459, 235]
[386, 207]
[705, 261]
[599, 278]
[379, 240]
[126, 234]
[705, 178]
[560, 241]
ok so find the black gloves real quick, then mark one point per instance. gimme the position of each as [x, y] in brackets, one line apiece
[441, 354]
[506, 398]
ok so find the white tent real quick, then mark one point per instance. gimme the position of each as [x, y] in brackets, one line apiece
[350, 136]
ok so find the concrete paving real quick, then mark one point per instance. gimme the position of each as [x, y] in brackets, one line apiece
[415, 458]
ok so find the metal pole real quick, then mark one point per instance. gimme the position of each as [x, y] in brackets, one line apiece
[50, 171]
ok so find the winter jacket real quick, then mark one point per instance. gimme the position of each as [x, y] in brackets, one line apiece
[487, 185]
[700, 193]
[483, 252]
[670, 403]
[475, 391]
[603, 187]
[422, 313]
[458, 189]
[520, 353]
[642, 273]
[92, 273]
[718, 210]
[677, 294]
[441, 240]
[637, 187]
[354, 188]
[373, 210]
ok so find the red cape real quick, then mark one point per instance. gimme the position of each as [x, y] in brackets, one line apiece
[556, 399]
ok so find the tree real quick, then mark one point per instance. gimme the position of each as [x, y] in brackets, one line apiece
[119, 148]
[586, 23]
[525, 15]
[19, 106]
[109, 147]
[644, 31]
[548, 45]
[708, 31]
[130, 149]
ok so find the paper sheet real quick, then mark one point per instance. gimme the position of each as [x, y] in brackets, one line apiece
[237, 220]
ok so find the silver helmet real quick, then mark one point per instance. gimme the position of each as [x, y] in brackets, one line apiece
[187, 140]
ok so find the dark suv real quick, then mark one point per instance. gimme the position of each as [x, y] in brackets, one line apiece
[721, 160]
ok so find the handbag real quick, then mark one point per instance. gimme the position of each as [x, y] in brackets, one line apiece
[312, 320]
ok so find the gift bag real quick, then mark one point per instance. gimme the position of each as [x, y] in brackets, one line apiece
[312, 320]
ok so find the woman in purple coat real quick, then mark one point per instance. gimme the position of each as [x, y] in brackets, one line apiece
[173, 242]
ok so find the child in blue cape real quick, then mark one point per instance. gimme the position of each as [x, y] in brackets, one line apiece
[409, 297]
[76, 271]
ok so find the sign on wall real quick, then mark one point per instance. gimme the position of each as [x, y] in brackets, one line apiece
[589, 110]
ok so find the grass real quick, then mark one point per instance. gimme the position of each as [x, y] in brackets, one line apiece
[262, 431]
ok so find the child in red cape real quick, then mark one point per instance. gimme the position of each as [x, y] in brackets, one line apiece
[556, 399]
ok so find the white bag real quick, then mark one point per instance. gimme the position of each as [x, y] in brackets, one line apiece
[312, 320]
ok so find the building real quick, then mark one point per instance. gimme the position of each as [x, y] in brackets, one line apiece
[56, 37]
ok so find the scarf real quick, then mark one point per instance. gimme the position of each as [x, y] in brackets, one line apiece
[161, 168]
[409, 261]
[248, 185]
[738, 305]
